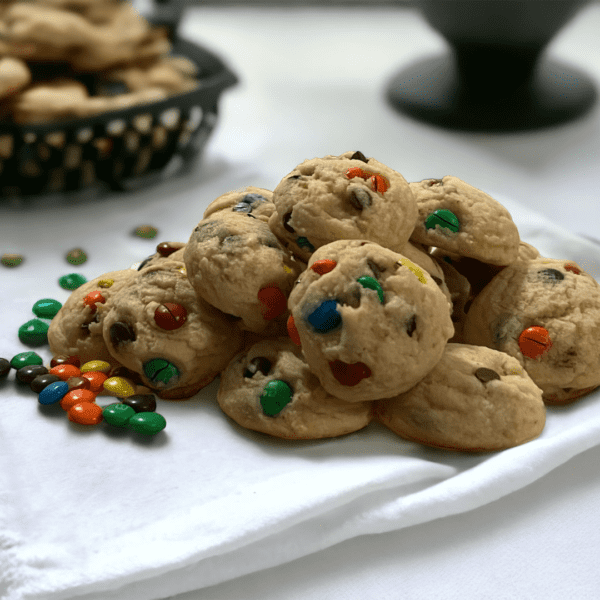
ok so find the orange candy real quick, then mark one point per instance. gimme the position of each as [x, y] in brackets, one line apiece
[534, 341]
[85, 413]
[293, 332]
[323, 266]
[74, 397]
[92, 298]
[273, 300]
[96, 379]
[65, 371]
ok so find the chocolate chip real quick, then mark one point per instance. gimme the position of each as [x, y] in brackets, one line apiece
[359, 198]
[206, 231]
[260, 363]
[551, 276]
[286, 220]
[242, 207]
[484, 375]
[411, 325]
[145, 262]
[358, 155]
[121, 332]
[294, 176]
[437, 280]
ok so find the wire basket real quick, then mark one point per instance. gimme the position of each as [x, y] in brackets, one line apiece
[123, 149]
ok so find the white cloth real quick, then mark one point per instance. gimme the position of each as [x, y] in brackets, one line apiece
[101, 514]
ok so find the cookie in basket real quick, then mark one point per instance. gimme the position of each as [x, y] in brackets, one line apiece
[76, 330]
[461, 219]
[342, 197]
[270, 388]
[235, 263]
[546, 314]
[371, 323]
[158, 328]
[474, 399]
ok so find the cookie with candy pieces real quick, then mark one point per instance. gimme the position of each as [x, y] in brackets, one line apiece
[546, 314]
[371, 323]
[270, 388]
[474, 399]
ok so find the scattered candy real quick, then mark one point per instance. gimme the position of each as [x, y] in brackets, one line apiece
[146, 231]
[4, 367]
[63, 359]
[47, 308]
[96, 365]
[11, 260]
[53, 393]
[141, 402]
[42, 381]
[96, 379]
[119, 386]
[85, 413]
[147, 423]
[65, 371]
[534, 341]
[170, 316]
[76, 256]
[25, 358]
[444, 219]
[79, 383]
[118, 414]
[276, 395]
[71, 281]
[73, 397]
[34, 333]
[30, 372]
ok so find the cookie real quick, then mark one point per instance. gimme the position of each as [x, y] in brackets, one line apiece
[158, 328]
[164, 251]
[342, 197]
[235, 263]
[475, 399]
[370, 322]
[253, 201]
[77, 327]
[270, 388]
[459, 218]
[546, 314]
[14, 75]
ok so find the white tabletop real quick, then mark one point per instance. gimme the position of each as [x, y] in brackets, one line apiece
[312, 82]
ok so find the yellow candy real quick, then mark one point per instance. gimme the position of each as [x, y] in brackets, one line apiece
[287, 269]
[412, 267]
[96, 365]
[105, 283]
[119, 386]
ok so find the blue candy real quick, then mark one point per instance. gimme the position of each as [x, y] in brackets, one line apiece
[325, 317]
[53, 393]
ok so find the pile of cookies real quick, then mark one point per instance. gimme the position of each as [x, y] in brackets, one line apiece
[75, 58]
[348, 295]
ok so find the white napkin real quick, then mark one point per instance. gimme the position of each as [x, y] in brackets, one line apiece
[101, 514]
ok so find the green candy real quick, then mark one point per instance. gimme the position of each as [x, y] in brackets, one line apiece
[46, 308]
[160, 370]
[34, 333]
[24, 359]
[373, 284]
[76, 256]
[443, 218]
[276, 395]
[118, 414]
[71, 281]
[146, 231]
[147, 423]
[11, 260]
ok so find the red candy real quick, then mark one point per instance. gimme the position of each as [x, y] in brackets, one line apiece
[65, 371]
[534, 341]
[349, 374]
[85, 413]
[170, 316]
[292, 331]
[96, 379]
[572, 269]
[273, 300]
[92, 299]
[323, 266]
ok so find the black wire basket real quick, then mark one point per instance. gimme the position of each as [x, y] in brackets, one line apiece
[123, 149]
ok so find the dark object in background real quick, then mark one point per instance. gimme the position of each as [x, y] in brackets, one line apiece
[495, 77]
